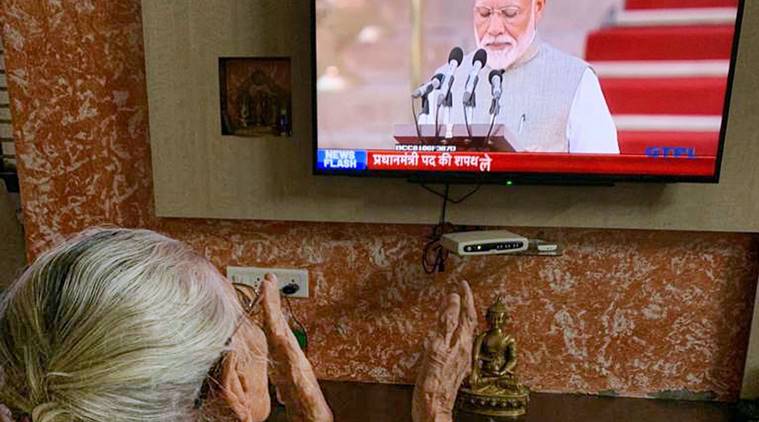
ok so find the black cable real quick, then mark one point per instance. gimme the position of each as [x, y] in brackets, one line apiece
[466, 122]
[434, 256]
[437, 128]
[465, 197]
[453, 201]
[292, 315]
[438, 254]
[416, 120]
[490, 131]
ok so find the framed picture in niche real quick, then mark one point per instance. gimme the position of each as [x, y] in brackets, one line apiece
[256, 96]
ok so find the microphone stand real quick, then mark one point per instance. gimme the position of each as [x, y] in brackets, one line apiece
[425, 105]
[416, 120]
[446, 102]
[495, 109]
[469, 107]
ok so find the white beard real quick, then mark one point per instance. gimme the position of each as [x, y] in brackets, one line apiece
[503, 59]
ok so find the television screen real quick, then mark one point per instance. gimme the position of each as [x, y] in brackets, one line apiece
[509, 90]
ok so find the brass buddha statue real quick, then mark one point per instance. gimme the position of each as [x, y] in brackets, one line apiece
[493, 388]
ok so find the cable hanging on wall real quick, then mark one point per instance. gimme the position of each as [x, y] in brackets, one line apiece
[434, 256]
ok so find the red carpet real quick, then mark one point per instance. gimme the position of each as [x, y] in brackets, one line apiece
[662, 96]
[661, 43]
[675, 4]
[680, 96]
[704, 143]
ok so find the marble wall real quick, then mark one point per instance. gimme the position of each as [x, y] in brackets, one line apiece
[635, 313]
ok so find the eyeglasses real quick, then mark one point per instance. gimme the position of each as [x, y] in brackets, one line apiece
[505, 13]
[249, 297]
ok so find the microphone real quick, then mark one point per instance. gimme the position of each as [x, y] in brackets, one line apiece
[478, 62]
[455, 58]
[454, 61]
[496, 82]
[434, 83]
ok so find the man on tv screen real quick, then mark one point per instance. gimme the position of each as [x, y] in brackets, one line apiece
[552, 102]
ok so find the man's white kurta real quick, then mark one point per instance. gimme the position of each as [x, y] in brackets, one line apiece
[591, 128]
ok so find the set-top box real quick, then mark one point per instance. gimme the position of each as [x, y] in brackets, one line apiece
[491, 242]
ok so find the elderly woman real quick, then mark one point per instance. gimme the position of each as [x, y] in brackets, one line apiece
[129, 325]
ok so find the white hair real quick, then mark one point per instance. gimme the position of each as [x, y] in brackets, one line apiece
[114, 325]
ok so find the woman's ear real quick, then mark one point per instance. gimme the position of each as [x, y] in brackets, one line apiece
[244, 380]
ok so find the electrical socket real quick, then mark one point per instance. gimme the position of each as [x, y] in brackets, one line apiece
[254, 276]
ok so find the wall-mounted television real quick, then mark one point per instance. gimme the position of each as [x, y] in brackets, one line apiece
[523, 90]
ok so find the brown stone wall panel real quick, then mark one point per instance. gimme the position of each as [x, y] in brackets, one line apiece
[631, 312]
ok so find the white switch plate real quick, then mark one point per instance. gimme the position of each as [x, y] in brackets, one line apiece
[254, 276]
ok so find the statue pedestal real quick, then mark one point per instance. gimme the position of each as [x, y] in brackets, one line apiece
[508, 405]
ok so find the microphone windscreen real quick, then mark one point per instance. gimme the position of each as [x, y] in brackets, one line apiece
[457, 54]
[480, 56]
[494, 73]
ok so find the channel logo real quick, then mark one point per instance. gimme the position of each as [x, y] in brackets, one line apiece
[340, 159]
[671, 152]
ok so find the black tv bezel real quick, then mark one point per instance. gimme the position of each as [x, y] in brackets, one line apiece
[527, 178]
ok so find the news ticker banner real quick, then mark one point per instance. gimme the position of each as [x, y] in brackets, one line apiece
[509, 162]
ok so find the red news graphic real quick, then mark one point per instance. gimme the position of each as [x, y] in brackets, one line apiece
[495, 162]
